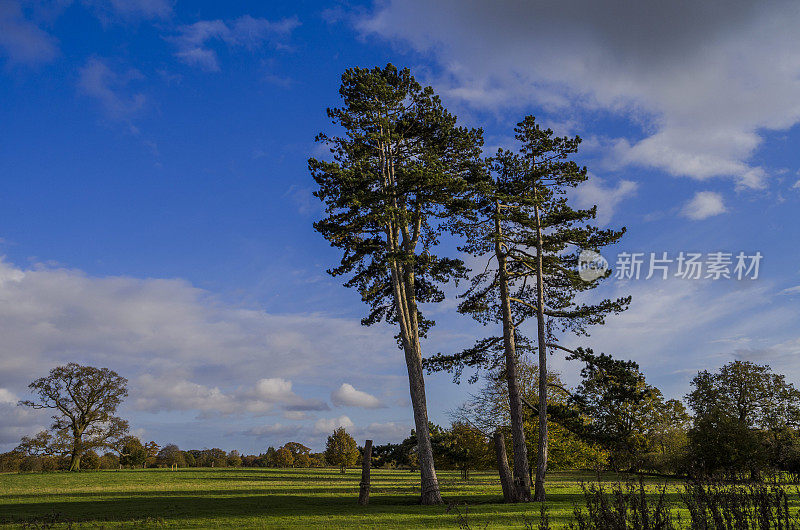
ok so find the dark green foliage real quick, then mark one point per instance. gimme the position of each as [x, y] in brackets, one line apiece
[131, 452]
[400, 166]
[90, 460]
[746, 419]
[539, 176]
[170, 455]
[621, 412]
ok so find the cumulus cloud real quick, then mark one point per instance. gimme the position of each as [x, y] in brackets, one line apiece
[111, 89]
[692, 74]
[328, 425]
[347, 396]
[168, 393]
[388, 431]
[180, 348]
[703, 205]
[194, 40]
[607, 198]
[21, 40]
[6, 396]
[278, 431]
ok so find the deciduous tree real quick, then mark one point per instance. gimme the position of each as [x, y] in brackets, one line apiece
[341, 449]
[84, 400]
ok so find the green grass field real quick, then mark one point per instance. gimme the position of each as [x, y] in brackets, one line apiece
[266, 498]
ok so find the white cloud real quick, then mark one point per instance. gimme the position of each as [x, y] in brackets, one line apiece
[167, 393]
[110, 89]
[607, 198]
[693, 74]
[791, 290]
[6, 396]
[172, 393]
[703, 205]
[389, 431]
[676, 327]
[328, 425]
[21, 40]
[180, 348]
[278, 431]
[796, 185]
[193, 40]
[347, 396]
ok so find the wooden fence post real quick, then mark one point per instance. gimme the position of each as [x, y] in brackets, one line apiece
[363, 494]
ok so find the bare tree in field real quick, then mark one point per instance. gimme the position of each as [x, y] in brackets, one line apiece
[84, 400]
[400, 167]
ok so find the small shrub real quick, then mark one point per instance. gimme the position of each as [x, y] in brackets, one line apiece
[622, 507]
[721, 506]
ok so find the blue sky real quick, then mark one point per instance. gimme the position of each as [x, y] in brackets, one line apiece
[156, 209]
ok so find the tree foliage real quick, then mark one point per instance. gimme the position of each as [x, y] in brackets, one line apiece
[84, 400]
[401, 166]
[341, 449]
[521, 219]
[745, 418]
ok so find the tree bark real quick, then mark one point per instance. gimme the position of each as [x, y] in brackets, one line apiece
[75, 456]
[75, 462]
[430, 483]
[522, 481]
[363, 494]
[409, 333]
[402, 276]
[541, 460]
[509, 492]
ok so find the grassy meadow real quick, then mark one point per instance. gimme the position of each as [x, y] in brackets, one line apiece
[268, 498]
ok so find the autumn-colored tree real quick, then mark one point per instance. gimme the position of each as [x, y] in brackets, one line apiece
[341, 449]
[283, 457]
[300, 454]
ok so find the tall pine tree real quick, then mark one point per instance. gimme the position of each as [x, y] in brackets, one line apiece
[521, 219]
[401, 166]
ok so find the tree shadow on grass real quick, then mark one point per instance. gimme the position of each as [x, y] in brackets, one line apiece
[221, 504]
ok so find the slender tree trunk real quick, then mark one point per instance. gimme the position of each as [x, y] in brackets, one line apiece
[522, 481]
[413, 352]
[405, 303]
[430, 483]
[363, 494]
[541, 460]
[509, 492]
